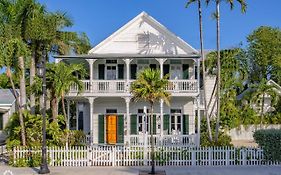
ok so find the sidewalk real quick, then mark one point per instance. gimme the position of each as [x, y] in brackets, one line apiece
[231, 170]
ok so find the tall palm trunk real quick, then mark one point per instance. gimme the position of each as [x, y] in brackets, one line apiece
[218, 69]
[54, 104]
[32, 75]
[17, 97]
[22, 83]
[203, 67]
[152, 140]
[65, 118]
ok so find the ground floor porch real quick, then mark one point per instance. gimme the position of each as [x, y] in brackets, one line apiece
[120, 121]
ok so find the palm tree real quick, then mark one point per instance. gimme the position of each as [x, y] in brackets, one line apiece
[262, 90]
[203, 64]
[151, 88]
[11, 48]
[217, 16]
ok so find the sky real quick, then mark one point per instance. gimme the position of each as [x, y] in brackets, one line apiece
[100, 18]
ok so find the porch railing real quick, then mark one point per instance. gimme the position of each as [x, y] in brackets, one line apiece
[119, 86]
[104, 86]
[182, 86]
[166, 140]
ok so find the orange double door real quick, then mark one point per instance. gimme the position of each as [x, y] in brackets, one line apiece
[111, 129]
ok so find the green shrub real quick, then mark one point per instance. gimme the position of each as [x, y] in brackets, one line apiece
[223, 140]
[55, 132]
[270, 141]
[76, 137]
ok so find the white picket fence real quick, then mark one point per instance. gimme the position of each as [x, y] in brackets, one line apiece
[140, 156]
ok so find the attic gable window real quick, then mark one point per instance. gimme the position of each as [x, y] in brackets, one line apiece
[143, 40]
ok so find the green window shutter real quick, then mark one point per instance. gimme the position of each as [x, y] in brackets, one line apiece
[101, 71]
[185, 71]
[120, 71]
[120, 129]
[133, 71]
[166, 123]
[133, 124]
[1, 121]
[185, 124]
[166, 69]
[154, 124]
[101, 129]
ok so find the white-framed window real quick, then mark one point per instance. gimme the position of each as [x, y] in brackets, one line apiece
[111, 72]
[175, 71]
[176, 121]
[143, 121]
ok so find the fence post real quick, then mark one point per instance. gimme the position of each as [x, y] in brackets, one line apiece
[227, 156]
[243, 156]
[89, 152]
[112, 155]
[193, 156]
[210, 153]
[145, 150]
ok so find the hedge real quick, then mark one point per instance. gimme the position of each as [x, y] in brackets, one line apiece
[270, 141]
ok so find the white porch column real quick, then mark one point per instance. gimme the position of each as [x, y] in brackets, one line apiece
[77, 115]
[68, 113]
[198, 75]
[161, 117]
[161, 62]
[91, 102]
[91, 63]
[127, 61]
[198, 121]
[128, 120]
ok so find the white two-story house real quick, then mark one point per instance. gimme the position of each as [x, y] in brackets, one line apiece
[105, 110]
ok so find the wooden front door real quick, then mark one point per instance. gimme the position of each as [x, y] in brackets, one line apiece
[111, 129]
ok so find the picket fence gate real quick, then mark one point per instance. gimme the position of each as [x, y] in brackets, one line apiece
[141, 156]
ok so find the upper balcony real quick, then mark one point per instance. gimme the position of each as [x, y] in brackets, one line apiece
[122, 88]
[111, 75]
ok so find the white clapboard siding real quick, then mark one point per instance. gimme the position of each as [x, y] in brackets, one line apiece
[141, 156]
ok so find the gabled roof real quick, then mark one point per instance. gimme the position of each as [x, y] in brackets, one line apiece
[137, 22]
[6, 97]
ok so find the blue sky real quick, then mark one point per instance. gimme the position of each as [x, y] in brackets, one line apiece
[100, 18]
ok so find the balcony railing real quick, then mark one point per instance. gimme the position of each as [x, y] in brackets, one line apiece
[182, 86]
[119, 86]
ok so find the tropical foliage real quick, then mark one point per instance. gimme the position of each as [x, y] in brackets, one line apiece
[29, 32]
[150, 87]
[33, 123]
